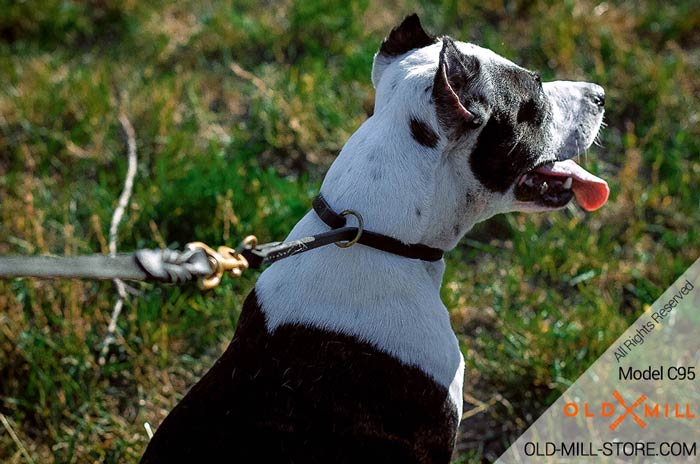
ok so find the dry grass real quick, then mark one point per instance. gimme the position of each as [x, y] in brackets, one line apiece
[237, 111]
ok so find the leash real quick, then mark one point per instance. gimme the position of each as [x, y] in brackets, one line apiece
[199, 261]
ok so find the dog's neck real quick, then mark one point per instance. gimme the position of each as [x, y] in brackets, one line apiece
[387, 300]
[392, 181]
[383, 177]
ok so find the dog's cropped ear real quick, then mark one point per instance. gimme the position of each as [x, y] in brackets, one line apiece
[455, 78]
[403, 38]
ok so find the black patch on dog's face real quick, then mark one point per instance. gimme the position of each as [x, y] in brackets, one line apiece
[514, 138]
[406, 37]
[423, 134]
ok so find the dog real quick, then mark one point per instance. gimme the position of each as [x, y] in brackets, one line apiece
[347, 355]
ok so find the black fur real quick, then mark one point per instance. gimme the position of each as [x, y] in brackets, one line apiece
[406, 37]
[513, 138]
[305, 395]
[423, 134]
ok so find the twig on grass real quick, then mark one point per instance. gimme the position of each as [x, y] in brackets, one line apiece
[15, 438]
[114, 229]
[256, 81]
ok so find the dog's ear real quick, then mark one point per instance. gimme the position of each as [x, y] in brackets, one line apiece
[403, 38]
[455, 78]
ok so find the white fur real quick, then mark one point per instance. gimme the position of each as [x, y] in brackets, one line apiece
[389, 301]
[576, 118]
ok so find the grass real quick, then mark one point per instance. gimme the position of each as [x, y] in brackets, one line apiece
[238, 111]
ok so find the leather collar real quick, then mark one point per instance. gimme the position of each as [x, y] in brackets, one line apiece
[373, 239]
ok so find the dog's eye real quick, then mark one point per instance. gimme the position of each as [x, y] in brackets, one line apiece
[478, 120]
[537, 77]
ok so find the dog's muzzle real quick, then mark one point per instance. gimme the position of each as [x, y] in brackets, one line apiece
[553, 184]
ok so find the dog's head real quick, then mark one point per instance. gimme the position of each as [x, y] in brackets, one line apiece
[469, 134]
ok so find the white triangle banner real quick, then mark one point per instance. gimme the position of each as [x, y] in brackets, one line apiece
[639, 402]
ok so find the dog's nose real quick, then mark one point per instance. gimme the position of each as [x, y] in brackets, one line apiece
[597, 95]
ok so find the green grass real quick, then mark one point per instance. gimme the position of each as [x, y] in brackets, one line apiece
[534, 299]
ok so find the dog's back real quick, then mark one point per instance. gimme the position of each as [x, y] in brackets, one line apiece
[306, 395]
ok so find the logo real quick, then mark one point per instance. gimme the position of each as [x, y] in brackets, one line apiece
[640, 411]
[628, 411]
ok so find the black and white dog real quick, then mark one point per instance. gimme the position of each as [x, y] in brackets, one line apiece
[347, 355]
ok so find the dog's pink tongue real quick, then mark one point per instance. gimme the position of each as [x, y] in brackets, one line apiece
[591, 192]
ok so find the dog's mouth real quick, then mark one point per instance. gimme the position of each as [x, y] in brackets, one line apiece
[554, 184]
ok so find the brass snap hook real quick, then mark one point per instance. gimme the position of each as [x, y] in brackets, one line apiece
[360, 229]
[224, 259]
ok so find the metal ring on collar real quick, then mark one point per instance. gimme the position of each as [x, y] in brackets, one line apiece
[360, 229]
